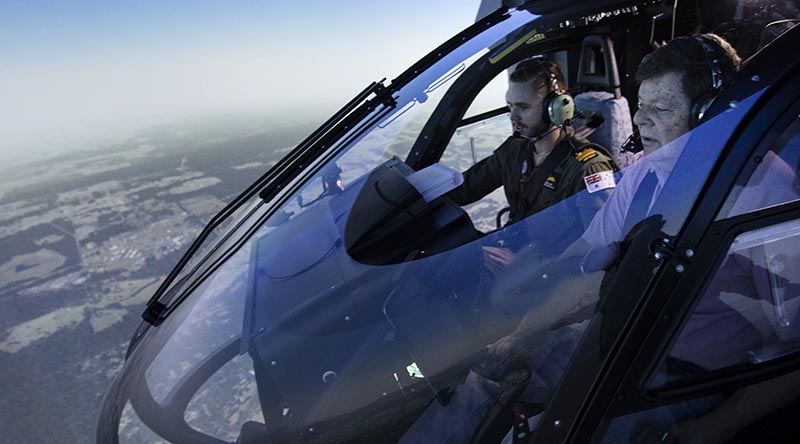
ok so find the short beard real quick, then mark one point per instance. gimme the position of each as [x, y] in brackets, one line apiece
[540, 129]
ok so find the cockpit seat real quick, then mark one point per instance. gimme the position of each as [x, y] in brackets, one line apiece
[617, 124]
[598, 77]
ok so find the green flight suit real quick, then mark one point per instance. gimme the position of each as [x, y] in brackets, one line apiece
[510, 166]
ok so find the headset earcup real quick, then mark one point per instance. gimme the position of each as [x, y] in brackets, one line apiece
[560, 108]
[699, 109]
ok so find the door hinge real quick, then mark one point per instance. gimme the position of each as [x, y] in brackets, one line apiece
[663, 247]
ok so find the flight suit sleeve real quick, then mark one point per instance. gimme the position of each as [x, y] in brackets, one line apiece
[479, 180]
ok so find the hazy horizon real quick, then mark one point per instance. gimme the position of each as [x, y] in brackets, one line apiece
[126, 127]
[80, 73]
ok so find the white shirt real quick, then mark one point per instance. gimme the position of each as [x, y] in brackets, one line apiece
[605, 232]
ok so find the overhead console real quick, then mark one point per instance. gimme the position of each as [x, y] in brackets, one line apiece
[390, 222]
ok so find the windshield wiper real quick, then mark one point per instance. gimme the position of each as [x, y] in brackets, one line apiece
[269, 184]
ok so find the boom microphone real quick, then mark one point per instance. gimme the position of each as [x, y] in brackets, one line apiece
[633, 144]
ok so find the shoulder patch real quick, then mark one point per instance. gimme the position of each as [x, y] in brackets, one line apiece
[600, 181]
[585, 154]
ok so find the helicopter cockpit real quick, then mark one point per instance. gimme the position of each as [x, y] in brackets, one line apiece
[343, 295]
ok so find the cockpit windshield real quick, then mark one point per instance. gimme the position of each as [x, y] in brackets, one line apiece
[357, 300]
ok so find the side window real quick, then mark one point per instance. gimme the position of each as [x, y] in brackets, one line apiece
[491, 97]
[749, 316]
[475, 141]
[484, 127]
[775, 180]
[749, 312]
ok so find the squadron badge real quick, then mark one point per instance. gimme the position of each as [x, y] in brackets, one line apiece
[550, 183]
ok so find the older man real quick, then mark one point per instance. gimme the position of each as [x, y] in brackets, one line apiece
[677, 82]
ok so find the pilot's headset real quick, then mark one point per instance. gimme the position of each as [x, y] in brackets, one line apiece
[559, 108]
[712, 52]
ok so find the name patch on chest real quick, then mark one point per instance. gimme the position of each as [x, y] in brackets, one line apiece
[551, 181]
[600, 181]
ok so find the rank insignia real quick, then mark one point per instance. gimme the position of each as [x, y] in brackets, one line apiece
[586, 154]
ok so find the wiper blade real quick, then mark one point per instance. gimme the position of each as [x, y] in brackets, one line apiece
[290, 165]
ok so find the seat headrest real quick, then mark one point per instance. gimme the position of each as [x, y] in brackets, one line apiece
[598, 65]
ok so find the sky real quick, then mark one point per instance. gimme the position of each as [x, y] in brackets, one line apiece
[72, 72]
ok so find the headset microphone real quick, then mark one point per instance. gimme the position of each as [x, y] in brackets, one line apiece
[633, 144]
[537, 138]
[593, 120]
[519, 135]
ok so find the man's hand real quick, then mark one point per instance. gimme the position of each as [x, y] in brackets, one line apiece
[503, 360]
[497, 258]
[505, 346]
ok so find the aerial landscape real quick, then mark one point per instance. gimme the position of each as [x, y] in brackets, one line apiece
[126, 128]
[86, 239]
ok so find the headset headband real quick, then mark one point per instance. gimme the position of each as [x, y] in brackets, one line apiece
[546, 69]
[558, 106]
[710, 52]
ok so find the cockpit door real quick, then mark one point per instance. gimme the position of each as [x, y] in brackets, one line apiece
[746, 215]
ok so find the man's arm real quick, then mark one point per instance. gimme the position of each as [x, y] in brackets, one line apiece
[479, 180]
[556, 298]
[576, 290]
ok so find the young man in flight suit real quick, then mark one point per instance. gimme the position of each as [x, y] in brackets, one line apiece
[542, 163]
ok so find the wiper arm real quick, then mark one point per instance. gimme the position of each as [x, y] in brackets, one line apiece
[289, 166]
[271, 182]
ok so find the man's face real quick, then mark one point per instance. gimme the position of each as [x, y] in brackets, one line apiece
[525, 107]
[663, 113]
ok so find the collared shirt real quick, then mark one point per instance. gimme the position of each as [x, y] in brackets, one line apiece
[606, 230]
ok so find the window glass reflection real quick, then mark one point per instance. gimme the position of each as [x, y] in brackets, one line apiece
[762, 412]
[749, 313]
[775, 179]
